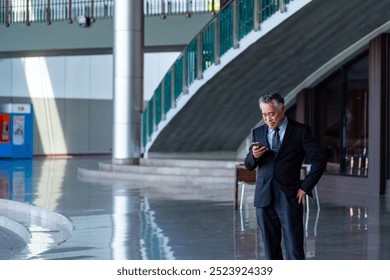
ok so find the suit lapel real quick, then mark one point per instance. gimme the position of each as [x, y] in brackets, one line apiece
[260, 134]
[287, 135]
[264, 137]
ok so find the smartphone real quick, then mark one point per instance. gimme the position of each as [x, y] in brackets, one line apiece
[256, 143]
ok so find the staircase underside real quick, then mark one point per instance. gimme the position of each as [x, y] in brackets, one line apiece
[222, 113]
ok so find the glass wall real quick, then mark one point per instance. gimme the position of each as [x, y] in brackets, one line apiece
[343, 118]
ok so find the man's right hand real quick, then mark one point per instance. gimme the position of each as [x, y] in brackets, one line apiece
[258, 151]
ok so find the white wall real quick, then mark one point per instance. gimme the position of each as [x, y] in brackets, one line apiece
[156, 65]
[74, 77]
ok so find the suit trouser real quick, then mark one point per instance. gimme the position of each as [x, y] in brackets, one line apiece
[283, 215]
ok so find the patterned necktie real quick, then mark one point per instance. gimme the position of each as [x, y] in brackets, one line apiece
[276, 140]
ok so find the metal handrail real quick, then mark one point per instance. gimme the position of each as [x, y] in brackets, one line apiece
[31, 11]
[233, 22]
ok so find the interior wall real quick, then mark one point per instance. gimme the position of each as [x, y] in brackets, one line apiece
[72, 98]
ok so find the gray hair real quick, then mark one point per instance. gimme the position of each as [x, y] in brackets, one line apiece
[272, 97]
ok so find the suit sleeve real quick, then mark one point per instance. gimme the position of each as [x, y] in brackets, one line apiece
[250, 162]
[317, 159]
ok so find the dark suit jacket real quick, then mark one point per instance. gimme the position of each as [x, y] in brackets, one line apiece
[283, 171]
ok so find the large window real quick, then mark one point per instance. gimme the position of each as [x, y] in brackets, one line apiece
[343, 118]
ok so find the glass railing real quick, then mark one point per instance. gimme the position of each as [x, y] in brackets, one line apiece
[177, 7]
[232, 23]
[30, 11]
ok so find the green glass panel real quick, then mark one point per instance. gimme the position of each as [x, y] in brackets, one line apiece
[158, 96]
[150, 115]
[192, 59]
[245, 17]
[144, 130]
[225, 29]
[178, 77]
[208, 55]
[167, 91]
[268, 8]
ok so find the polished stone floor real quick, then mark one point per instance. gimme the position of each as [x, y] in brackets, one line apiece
[119, 220]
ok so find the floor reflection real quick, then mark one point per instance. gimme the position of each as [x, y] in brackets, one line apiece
[154, 245]
[120, 220]
[247, 245]
[312, 210]
[16, 179]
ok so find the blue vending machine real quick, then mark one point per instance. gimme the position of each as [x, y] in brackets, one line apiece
[16, 130]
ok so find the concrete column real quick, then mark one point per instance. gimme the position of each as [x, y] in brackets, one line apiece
[128, 80]
[379, 68]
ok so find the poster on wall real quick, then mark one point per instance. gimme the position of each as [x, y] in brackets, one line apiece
[18, 130]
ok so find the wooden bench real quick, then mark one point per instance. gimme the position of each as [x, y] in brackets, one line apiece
[243, 176]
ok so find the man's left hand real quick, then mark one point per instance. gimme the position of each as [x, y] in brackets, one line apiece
[300, 195]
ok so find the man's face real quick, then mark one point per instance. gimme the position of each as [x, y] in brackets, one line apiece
[271, 114]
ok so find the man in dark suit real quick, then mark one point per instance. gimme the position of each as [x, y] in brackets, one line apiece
[278, 156]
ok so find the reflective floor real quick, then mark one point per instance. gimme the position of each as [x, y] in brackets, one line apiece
[122, 221]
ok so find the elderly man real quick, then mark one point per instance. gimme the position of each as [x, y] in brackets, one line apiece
[280, 146]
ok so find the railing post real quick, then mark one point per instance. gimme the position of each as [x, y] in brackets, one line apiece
[7, 13]
[256, 15]
[217, 59]
[27, 13]
[185, 88]
[70, 20]
[163, 15]
[105, 10]
[212, 7]
[48, 12]
[200, 57]
[282, 6]
[188, 12]
[235, 25]
[93, 11]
